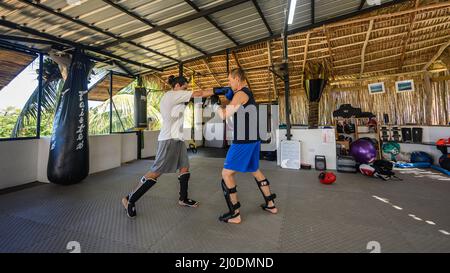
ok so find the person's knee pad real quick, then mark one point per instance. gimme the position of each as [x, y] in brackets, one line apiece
[145, 186]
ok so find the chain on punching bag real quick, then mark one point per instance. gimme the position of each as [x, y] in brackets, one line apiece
[68, 161]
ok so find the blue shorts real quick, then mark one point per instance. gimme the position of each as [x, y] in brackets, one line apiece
[243, 157]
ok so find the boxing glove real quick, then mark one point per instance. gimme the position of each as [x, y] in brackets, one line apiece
[229, 94]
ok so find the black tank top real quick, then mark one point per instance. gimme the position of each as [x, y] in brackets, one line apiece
[246, 127]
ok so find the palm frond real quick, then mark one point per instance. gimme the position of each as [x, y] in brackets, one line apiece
[51, 86]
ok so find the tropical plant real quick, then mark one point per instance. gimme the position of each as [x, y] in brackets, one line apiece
[123, 112]
[51, 86]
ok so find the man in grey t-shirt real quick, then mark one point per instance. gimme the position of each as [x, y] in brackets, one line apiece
[172, 153]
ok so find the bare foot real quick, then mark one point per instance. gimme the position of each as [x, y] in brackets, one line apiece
[227, 218]
[273, 211]
[125, 202]
[236, 220]
[271, 205]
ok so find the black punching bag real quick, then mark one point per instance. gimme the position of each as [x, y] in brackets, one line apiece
[68, 161]
[314, 89]
[140, 105]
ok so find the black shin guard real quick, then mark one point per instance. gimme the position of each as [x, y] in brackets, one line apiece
[146, 185]
[184, 181]
[231, 207]
[269, 198]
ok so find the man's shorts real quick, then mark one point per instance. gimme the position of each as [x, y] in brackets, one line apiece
[170, 157]
[243, 157]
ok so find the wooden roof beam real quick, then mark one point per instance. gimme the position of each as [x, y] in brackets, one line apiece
[363, 51]
[274, 81]
[412, 19]
[330, 52]
[212, 73]
[437, 55]
[240, 66]
[305, 54]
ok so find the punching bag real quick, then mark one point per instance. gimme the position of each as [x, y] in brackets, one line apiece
[314, 83]
[140, 105]
[314, 89]
[68, 161]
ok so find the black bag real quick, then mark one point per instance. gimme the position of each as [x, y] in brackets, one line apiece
[68, 161]
[384, 169]
[366, 115]
[346, 164]
[347, 111]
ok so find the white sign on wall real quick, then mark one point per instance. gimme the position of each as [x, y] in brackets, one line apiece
[290, 154]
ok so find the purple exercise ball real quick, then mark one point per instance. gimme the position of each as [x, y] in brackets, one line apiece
[363, 151]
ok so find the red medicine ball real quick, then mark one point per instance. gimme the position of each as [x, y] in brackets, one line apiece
[327, 177]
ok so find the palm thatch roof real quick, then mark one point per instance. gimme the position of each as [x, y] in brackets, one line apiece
[100, 91]
[11, 64]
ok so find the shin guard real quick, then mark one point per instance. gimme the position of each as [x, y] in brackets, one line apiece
[145, 186]
[231, 207]
[269, 198]
[184, 181]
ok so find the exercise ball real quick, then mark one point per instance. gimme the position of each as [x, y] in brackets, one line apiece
[420, 156]
[363, 151]
[444, 161]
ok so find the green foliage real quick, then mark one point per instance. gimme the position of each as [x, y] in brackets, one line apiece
[22, 122]
[52, 84]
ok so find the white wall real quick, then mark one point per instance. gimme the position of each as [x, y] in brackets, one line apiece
[25, 161]
[44, 150]
[18, 162]
[150, 143]
[129, 147]
[312, 144]
[105, 152]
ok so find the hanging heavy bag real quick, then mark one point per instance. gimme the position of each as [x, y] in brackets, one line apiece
[68, 161]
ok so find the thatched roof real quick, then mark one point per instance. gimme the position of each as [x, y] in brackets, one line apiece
[11, 64]
[100, 91]
[404, 39]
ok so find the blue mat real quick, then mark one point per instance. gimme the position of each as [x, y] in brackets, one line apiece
[442, 170]
[412, 165]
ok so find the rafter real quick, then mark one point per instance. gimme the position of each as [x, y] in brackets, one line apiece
[211, 21]
[305, 54]
[240, 66]
[363, 51]
[437, 55]
[89, 26]
[274, 82]
[177, 22]
[210, 71]
[412, 19]
[150, 24]
[330, 52]
[263, 18]
[69, 43]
